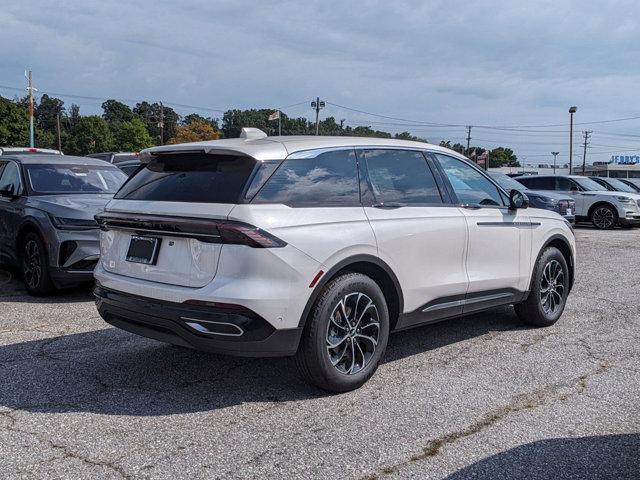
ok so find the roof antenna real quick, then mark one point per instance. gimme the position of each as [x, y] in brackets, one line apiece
[252, 133]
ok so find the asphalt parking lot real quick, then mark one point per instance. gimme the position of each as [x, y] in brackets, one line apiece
[478, 397]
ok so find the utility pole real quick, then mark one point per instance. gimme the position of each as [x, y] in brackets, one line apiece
[584, 153]
[58, 128]
[161, 124]
[468, 138]
[555, 156]
[572, 110]
[32, 142]
[318, 105]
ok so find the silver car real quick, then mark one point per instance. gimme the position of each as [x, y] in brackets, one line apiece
[47, 205]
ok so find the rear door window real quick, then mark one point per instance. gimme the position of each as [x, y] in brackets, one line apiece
[401, 176]
[539, 183]
[198, 178]
[314, 178]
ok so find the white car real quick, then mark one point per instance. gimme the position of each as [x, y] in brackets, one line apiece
[319, 247]
[594, 203]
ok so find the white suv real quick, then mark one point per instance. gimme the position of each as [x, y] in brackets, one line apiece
[319, 247]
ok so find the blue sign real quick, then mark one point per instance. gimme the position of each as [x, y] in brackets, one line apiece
[625, 159]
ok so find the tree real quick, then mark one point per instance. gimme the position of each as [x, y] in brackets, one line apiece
[90, 134]
[47, 111]
[130, 136]
[499, 157]
[408, 136]
[152, 114]
[193, 117]
[196, 131]
[233, 121]
[14, 124]
[115, 111]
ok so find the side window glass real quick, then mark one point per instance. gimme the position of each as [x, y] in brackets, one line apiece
[564, 185]
[470, 186]
[314, 178]
[401, 176]
[10, 179]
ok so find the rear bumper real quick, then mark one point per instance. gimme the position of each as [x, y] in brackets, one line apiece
[225, 329]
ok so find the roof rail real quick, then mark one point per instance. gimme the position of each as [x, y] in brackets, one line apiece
[252, 133]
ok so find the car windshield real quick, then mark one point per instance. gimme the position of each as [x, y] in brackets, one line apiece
[506, 182]
[620, 186]
[125, 157]
[588, 184]
[69, 179]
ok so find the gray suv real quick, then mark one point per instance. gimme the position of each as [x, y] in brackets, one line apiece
[47, 205]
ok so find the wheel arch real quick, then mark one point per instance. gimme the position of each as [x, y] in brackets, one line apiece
[28, 226]
[601, 203]
[561, 243]
[372, 267]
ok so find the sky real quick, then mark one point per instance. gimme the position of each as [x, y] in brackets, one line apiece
[516, 65]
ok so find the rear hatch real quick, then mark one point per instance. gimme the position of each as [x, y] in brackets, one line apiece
[164, 223]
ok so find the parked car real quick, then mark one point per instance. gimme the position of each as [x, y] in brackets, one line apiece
[129, 167]
[27, 150]
[632, 182]
[47, 224]
[318, 247]
[557, 202]
[115, 157]
[603, 208]
[614, 184]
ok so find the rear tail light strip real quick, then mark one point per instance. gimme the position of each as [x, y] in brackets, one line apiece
[204, 230]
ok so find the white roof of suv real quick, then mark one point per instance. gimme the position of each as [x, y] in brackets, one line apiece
[277, 148]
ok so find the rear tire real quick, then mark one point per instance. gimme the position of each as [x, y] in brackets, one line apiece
[345, 335]
[549, 289]
[34, 266]
[604, 217]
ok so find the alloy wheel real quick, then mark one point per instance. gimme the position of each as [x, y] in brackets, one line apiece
[32, 270]
[603, 217]
[552, 287]
[353, 332]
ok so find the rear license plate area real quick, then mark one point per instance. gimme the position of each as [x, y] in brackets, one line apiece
[143, 250]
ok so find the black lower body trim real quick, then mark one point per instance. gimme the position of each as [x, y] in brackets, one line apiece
[68, 277]
[230, 331]
[459, 305]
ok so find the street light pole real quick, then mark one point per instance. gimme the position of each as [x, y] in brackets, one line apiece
[555, 155]
[572, 110]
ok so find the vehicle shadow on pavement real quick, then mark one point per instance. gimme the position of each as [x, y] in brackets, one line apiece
[116, 373]
[12, 290]
[597, 457]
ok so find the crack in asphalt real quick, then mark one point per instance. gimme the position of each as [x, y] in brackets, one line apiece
[544, 396]
[66, 451]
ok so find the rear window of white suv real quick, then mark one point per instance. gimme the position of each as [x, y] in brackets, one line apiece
[190, 177]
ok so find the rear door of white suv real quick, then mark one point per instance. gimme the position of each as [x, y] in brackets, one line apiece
[499, 250]
[420, 233]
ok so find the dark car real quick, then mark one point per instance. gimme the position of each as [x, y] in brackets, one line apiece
[47, 208]
[129, 167]
[615, 184]
[562, 204]
[115, 157]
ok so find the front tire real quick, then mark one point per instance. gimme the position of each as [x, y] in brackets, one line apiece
[346, 334]
[604, 217]
[549, 289]
[35, 268]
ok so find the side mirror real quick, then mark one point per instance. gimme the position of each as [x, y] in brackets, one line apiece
[517, 200]
[7, 192]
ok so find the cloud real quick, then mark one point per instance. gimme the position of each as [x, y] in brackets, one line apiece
[485, 62]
